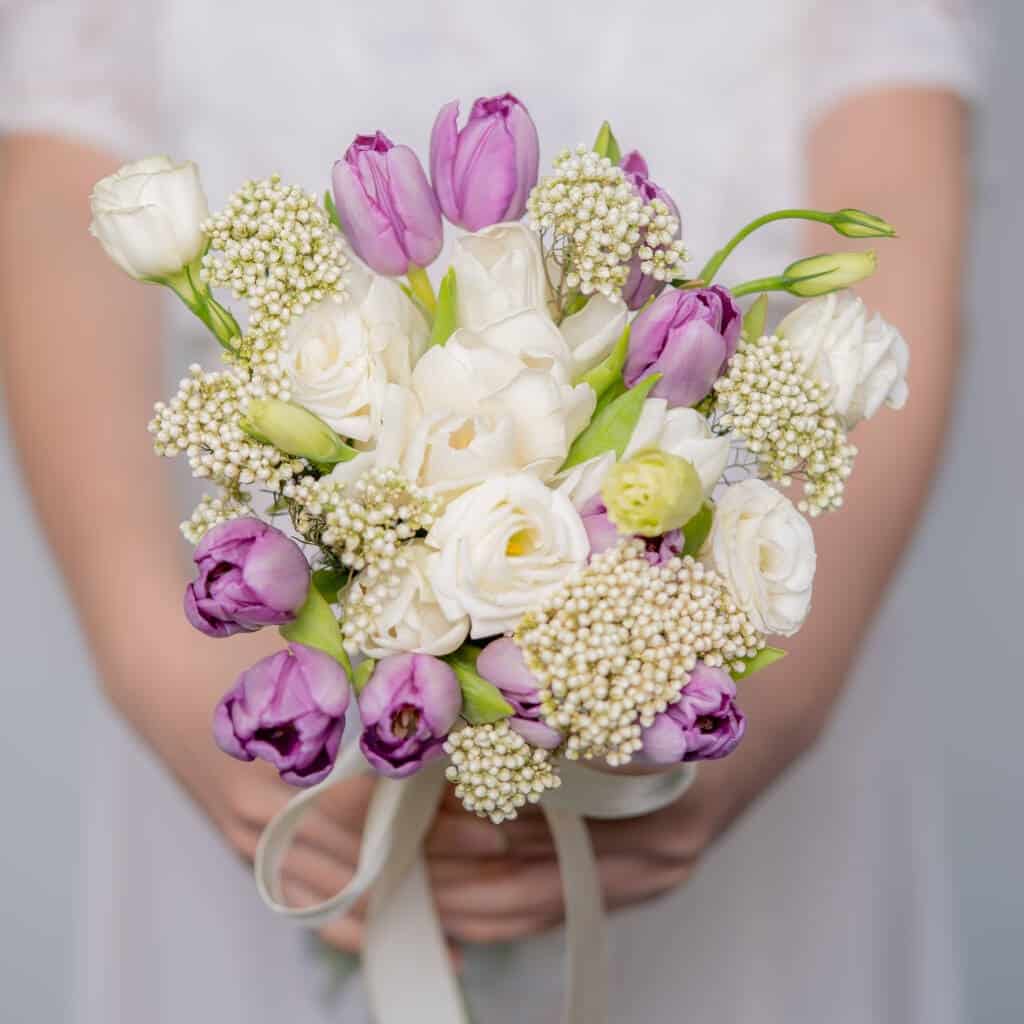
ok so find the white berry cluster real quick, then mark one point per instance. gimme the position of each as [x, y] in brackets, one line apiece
[597, 221]
[496, 772]
[274, 246]
[202, 420]
[365, 525]
[615, 646]
[212, 510]
[786, 420]
[662, 254]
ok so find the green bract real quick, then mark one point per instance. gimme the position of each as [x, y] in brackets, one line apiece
[606, 144]
[609, 370]
[316, 626]
[764, 657]
[482, 702]
[613, 426]
[444, 314]
[696, 530]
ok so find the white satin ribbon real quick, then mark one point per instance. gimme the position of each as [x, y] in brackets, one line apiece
[405, 961]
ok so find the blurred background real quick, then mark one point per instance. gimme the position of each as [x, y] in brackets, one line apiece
[969, 557]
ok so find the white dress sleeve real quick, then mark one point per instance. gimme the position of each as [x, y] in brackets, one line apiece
[852, 46]
[80, 69]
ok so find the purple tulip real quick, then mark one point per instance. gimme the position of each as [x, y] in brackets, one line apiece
[387, 209]
[288, 709]
[639, 286]
[408, 708]
[483, 174]
[501, 663]
[688, 337]
[705, 724]
[603, 534]
[250, 575]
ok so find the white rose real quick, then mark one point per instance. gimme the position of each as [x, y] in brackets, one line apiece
[505, 547]
[510, 384]
[339, 356]
[499, 271]
[147, 216]
[683, 432]
[765, 550]
[412, 620]
[862, 363]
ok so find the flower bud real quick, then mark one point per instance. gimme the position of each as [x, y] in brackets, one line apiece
[295, 431]
[687, 337]
[386, 207]
[652, 493]
[250, 575]
[818, 275]
[703, 725]
[148, 216]
[408, 707]
[502, 664]
[858, 224]
[483, 174]
[288, 709]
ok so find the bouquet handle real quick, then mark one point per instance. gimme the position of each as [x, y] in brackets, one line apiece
[405, 961]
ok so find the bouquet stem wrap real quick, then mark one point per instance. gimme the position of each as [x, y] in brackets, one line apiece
[403, 935]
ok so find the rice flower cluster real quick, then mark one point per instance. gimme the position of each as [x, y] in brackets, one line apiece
[495, 772]
[597, 222]
[786, 420]
[614, 647]
[212, 510]
[202, 420]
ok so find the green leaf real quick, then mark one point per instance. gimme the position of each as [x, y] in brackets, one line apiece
[765, 657]
[482, 701]
[329, 581]
[361, 674]
[316, 626]
[754, 321]
[612, 427]
[332, 210]
[609, 370]
[606, 144]
[444, 314]
[617, 389]
[696, 530]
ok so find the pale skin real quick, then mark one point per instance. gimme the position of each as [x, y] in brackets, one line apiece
[81, 361]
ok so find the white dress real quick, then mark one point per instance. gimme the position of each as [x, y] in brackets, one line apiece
[828, 901]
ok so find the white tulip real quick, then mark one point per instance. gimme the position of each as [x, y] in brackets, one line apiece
[764, 549]
[683, 432]
[512, 379]
[412, 619]
[591, 333]
[148, 216]
[400, 412]
[861, 363]
[498, 271]
[504, 547]
[339, 357]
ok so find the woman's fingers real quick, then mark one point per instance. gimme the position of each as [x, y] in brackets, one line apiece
[307, 866]
[471, 929]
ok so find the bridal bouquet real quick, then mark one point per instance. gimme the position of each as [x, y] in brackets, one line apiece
[533, 510]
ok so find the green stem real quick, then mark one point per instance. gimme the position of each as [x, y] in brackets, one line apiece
[421, 288]
[715, 263]
[200, 301]
[777, 283]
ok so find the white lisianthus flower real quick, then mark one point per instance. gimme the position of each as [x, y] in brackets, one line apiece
[148, 216]
[861, 362]
[412, 619]
[591, 333]
[681, 431]
[498, 271]
[504, 547]
[510, 383]
[339, 356]
[400, 412]
[764, 549]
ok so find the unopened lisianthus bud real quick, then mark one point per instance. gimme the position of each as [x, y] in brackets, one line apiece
[819, 275]
[858, 224]
[294, 430]
[652, 492]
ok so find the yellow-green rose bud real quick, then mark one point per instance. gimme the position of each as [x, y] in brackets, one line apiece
[858, 224]
[652, 492]
[819, 275]
[294, 430]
